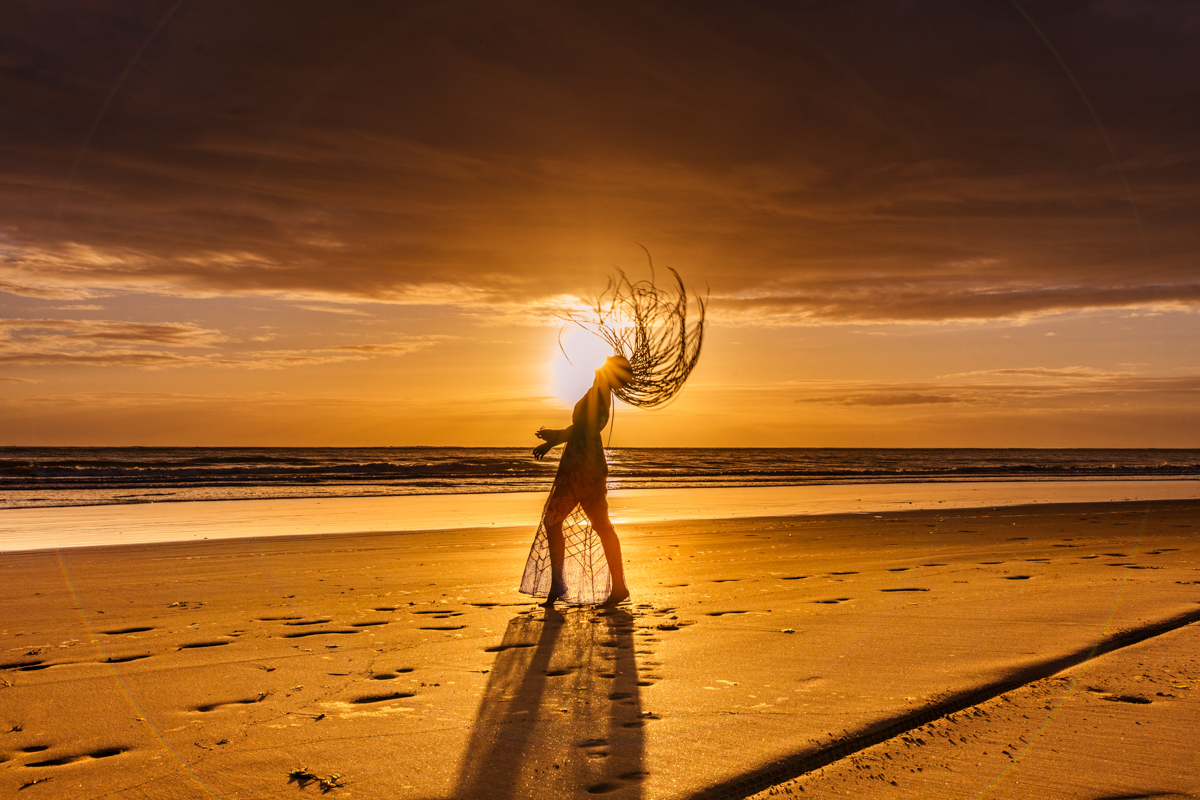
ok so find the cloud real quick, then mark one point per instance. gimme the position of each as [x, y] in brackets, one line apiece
[94, 351]
[938, 301]
[354, 312]
[1079, 388]
[885, 398]
[111, 358]
[159, 333]
[1082, 373]
[820, 162]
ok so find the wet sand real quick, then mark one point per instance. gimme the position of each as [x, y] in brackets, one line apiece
[143, 523]
[408, 666]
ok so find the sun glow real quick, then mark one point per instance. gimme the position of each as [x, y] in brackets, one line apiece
[572, 373]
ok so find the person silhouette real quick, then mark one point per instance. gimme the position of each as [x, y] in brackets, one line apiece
[581, 482]
[576, 556]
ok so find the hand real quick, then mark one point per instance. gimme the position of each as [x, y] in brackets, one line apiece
[543, 433]
[540, 451]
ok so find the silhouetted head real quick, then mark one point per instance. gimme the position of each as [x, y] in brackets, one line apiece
[617, 372]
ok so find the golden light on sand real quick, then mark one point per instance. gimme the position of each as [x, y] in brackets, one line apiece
[573, 365]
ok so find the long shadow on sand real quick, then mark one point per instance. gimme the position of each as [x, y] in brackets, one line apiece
[561, 715]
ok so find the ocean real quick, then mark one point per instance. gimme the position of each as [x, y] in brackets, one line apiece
[32, 477]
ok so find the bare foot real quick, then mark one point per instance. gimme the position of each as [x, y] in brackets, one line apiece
[554, 596]
[618, 596]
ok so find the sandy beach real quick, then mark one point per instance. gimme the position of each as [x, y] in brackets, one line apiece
[911, 654]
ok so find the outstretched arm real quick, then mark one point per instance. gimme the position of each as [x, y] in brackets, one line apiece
[550, 438]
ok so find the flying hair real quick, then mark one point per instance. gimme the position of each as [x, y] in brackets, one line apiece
[649, 326]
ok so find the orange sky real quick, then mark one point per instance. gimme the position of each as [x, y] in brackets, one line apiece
[920, 224]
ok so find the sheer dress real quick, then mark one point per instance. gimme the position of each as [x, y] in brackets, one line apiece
[581, 484]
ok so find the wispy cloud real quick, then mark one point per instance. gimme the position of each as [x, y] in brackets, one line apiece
[885, 398]
[104, 330]
[1081, 373]
[900, 300]
[43, 342]
[1057, 388]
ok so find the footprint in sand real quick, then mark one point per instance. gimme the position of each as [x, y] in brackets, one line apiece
[1128, 698]
[843, 573]
[718, 580]
[279, 619]
[385, 608]
[1017, 577]
[723, 613]
[121, 631]
[381, 698]
[301, 634]
[371, 624]
[835, 601]
[500, 648]
[309, 622]
[899, 569]
[905, 589]
[204, 708]
[197, 645]
[594, 748]
[442, 627]
[611, 786]
[124, 659]
[105, 752]
[35, 748]
[387, 676]
[794, 578]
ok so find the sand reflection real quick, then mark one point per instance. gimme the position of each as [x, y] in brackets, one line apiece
[561, 715]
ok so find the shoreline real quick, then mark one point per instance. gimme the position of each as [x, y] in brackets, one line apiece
[683, 486]
[30, 529]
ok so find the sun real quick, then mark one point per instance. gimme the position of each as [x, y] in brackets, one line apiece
[572, 373]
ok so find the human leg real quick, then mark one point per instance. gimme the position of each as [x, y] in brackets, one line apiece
[597, 512]
[557, 510]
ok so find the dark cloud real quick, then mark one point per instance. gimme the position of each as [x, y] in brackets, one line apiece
[826, 160]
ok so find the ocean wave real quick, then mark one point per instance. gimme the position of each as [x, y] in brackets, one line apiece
[64, 475]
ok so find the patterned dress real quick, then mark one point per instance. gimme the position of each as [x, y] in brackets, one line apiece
[581, 478]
